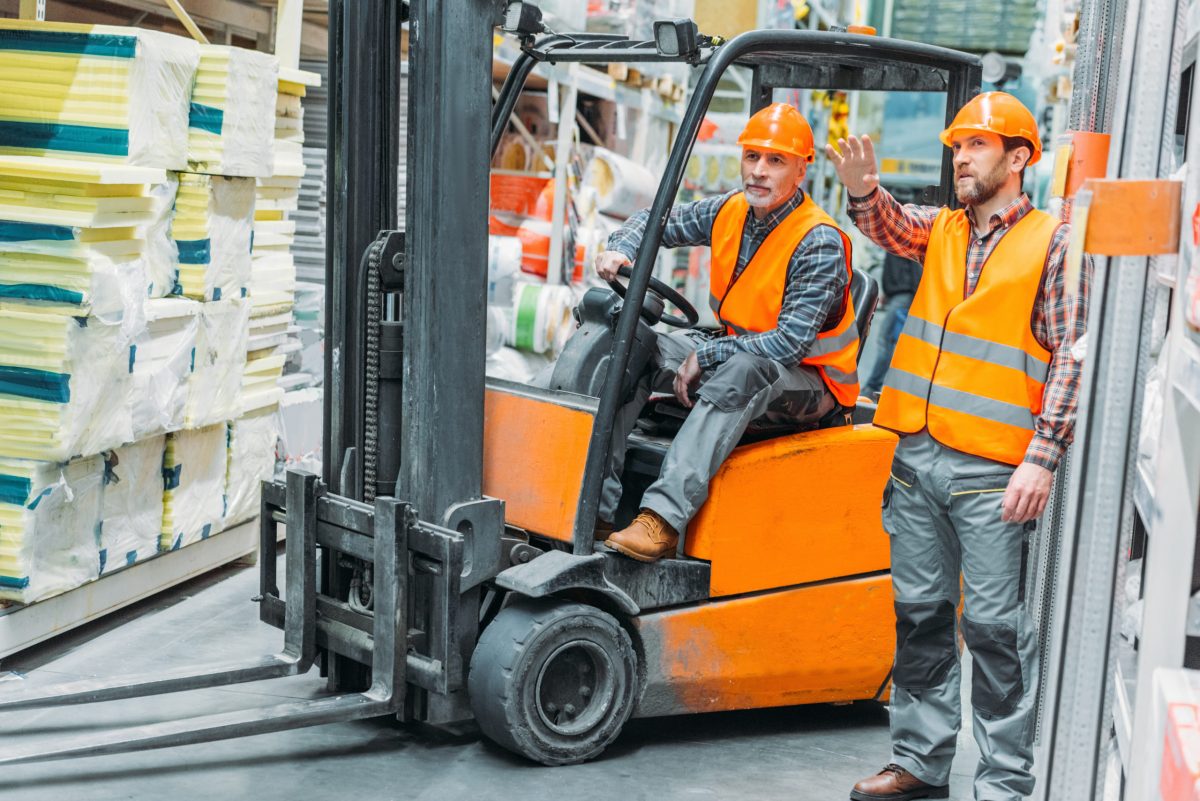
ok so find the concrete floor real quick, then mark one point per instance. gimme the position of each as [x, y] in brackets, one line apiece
[804, 753]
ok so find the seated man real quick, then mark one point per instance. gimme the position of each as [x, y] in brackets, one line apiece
[780, 288]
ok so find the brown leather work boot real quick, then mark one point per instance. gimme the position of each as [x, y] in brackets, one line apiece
[602, 531]
[647, 539]
[894, 783]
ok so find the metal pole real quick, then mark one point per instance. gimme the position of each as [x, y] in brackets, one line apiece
[445, 280]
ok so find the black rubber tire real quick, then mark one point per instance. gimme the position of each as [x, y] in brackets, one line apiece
[539, 654]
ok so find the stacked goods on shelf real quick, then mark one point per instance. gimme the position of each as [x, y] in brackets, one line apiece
[305, 367]
[215, 386]
[49, 516]
[194, 466]
[232, 123]
[252, 441]
[309, 248]
[69, 235]
[160, 365]
[213, 227]
[95, 92]
[267, 347]
[63, 382]
[132, 506]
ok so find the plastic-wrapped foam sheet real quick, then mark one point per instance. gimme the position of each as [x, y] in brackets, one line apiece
[63, 384]
[49, 516]
[194, 466]
[213, 228]
[232, 125]
[132, 506]
[252, 442]
[96, 92]
[161, 361]
[70, 235]
[215, 387]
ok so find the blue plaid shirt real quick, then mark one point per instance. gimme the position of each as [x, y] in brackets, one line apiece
[816, 275]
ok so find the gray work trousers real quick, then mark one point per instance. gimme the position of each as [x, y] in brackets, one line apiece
[941, 509]
[730, 396]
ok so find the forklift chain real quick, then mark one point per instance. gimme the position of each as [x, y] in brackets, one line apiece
[374, 290]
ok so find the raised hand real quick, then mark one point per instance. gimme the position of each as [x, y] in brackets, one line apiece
[855, 164]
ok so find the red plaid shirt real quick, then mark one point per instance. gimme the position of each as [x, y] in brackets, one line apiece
[1058, 320]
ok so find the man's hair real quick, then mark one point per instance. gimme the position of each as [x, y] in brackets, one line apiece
[1011, 143]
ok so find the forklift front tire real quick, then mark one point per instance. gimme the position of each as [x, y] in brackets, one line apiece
[553, 680]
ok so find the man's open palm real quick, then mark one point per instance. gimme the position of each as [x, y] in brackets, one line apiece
[855, 164]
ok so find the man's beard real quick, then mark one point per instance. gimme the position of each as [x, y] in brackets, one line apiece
[761, 201]
[981, 190]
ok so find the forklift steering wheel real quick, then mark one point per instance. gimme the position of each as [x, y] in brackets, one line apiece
[690, 315]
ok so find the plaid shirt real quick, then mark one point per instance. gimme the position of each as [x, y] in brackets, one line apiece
[1058, 320]
[816, 275]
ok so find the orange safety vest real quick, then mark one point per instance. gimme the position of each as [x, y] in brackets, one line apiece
[969, 368]
[751, 303]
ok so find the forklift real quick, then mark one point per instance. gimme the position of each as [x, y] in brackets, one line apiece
[442, 568]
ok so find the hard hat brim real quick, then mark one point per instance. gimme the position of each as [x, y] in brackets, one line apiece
[763, 144]
[947, 137]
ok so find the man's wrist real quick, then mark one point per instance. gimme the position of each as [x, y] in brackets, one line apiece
[862, 200]
[1045, 452]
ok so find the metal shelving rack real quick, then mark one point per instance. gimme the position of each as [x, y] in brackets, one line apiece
[1100, 715]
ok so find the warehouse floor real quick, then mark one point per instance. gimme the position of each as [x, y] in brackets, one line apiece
[803, 753]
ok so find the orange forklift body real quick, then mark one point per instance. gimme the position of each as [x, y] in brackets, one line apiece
[800, 601]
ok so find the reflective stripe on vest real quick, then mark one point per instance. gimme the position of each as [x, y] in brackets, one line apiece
[969, 368]
[751, 303]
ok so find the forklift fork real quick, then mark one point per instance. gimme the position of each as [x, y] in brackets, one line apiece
[391, 522]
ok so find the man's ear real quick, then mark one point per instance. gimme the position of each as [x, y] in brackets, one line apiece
[1020, 162]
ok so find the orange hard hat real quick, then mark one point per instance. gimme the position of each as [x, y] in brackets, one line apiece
[999, 113]
[779, 127]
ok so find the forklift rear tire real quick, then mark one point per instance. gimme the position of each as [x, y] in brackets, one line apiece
[553, 680]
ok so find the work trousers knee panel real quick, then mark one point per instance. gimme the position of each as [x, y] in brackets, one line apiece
[925, 647]
[997, 683]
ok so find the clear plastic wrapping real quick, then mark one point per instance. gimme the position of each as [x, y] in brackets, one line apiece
[96, 92]
[194, 464]
[132, 508]
[232, 126]
[215, 387]
[161, 252]
[160, 363]
[63, 380]
[49, 517]
[213, 229]
[252, 442]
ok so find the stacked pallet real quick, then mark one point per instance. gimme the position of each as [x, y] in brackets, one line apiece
[128, 168]
[213, 228]
[120, 95]
[49, 514]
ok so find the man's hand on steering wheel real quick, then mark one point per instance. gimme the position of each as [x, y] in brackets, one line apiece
[608, 262]
[670, 294]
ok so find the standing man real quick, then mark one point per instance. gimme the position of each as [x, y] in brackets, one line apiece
[982, 391]
[780, 287]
